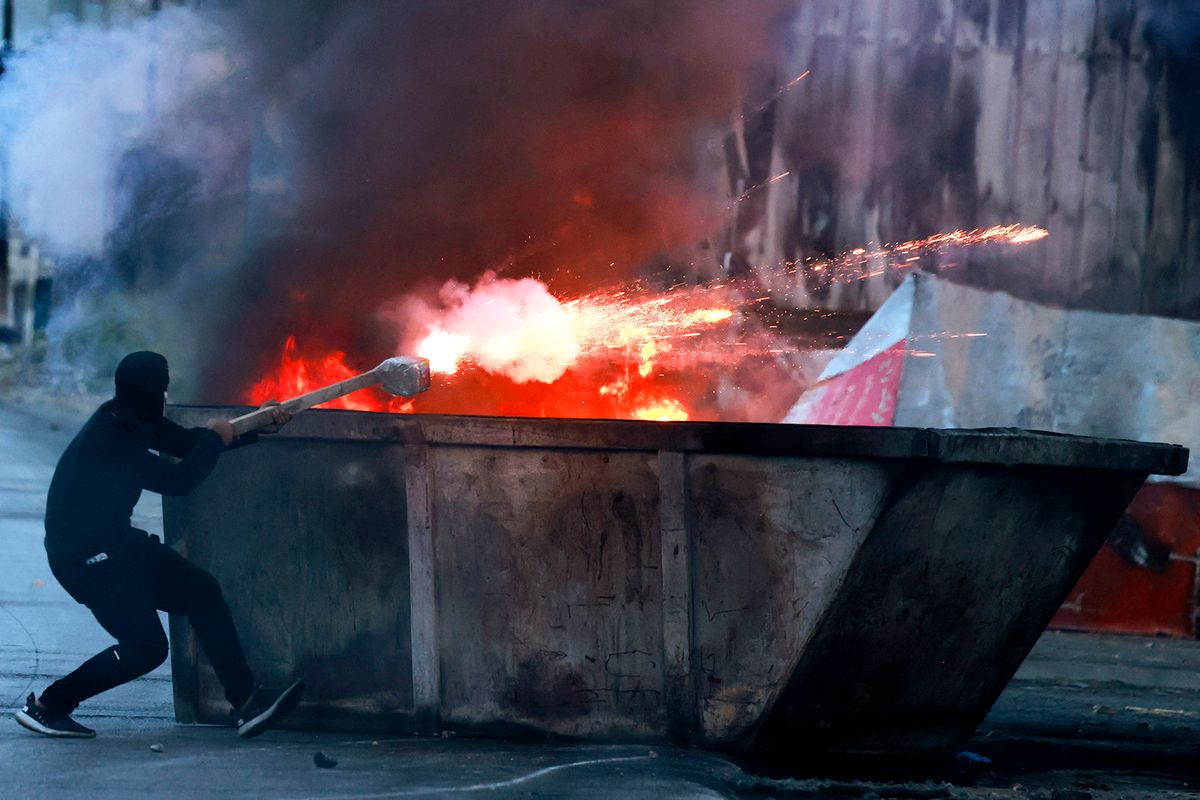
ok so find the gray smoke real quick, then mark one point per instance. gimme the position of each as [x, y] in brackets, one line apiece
[118, 140]
[433, 141]
[87, 100]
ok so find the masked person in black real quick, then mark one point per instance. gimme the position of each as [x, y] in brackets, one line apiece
[123, 574]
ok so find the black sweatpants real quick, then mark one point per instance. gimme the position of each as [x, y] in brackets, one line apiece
[124, 591]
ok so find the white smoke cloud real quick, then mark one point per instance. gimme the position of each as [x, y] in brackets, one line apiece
[514, 328]
[76, 103]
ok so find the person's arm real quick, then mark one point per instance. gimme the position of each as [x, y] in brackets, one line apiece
[246, 438]
[178, 478]
[175, 440]
[172, 439]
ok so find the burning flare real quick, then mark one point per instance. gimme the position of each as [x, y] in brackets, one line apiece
[518, 329]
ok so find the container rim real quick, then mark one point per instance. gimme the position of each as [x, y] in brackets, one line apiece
[1001, 446]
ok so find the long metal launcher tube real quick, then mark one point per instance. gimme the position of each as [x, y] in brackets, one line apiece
[401, 375]
[256, 419]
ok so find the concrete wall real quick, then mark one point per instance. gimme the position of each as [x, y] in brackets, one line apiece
[922, 116]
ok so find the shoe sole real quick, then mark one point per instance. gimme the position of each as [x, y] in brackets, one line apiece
[29, 723]
[284, 704]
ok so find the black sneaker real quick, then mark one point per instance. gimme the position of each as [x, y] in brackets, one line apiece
[265, 708]
[40, 719]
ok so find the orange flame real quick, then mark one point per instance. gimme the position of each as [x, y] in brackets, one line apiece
[667, 409]
[296, 376]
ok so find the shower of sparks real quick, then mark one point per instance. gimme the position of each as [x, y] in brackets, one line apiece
[780, 92]
[762, 185]
[873, 261]
[792, 83]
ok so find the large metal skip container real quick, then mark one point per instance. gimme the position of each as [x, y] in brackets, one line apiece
[724, 585]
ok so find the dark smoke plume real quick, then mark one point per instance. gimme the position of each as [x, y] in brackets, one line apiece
[424, 141]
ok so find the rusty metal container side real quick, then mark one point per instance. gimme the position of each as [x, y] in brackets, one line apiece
[727, 585]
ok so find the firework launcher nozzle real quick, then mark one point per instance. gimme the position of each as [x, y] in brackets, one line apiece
[403, 375]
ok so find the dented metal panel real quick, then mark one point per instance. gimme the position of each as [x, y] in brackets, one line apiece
[549, 590]
[773, 539]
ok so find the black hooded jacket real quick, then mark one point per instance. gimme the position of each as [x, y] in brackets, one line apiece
[102, 473]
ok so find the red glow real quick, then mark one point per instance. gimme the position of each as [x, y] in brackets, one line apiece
[618, 387]
[587, 391]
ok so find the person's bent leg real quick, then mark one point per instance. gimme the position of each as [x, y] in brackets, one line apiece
[141, 647]
[180, 587]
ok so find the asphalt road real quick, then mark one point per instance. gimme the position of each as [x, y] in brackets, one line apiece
[1086, 717]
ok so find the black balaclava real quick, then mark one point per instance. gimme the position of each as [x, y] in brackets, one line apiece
[141, 382]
